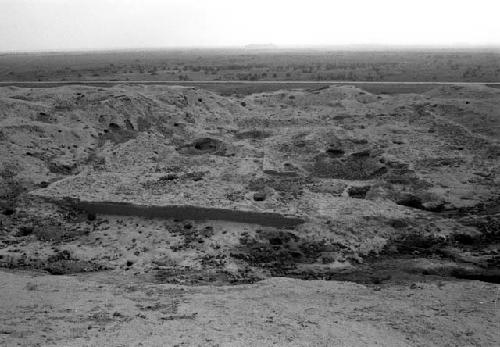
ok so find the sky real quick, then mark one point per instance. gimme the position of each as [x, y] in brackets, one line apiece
[65, 25]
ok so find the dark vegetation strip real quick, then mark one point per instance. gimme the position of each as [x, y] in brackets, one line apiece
[246, 87]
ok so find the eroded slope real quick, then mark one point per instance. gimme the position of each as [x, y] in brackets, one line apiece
[365, 174]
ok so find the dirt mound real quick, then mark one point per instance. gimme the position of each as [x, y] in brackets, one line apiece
[290, 183]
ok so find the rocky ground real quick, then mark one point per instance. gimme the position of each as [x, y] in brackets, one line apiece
[152, 214]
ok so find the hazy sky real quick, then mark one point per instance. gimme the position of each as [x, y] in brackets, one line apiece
[103, 24]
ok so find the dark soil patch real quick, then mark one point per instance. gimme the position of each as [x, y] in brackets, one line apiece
[486, 208]
[205, 145]
[61, 263]
[281, 252]
[415, 244]
[490, 275]
[358, 192]
[410, 200]
[350, 168]
[188, 276]
[192, 235]
[194, 175]
[64, 267]
[8, 211]
[62, 168]
[259, 196]
[25, 231]
[52, 233]
[489, 226]
[10, 190]
[287, 187]
[169, 177]
[116, 135]
[449, 248]
[335, 152]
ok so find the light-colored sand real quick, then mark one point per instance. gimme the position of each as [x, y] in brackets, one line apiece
[100, 311]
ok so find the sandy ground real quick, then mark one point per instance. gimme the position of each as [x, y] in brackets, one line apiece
[102, 310]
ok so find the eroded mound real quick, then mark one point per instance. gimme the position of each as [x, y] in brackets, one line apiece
[296, 183]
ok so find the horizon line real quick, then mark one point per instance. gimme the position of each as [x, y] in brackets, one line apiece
[265, 47]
